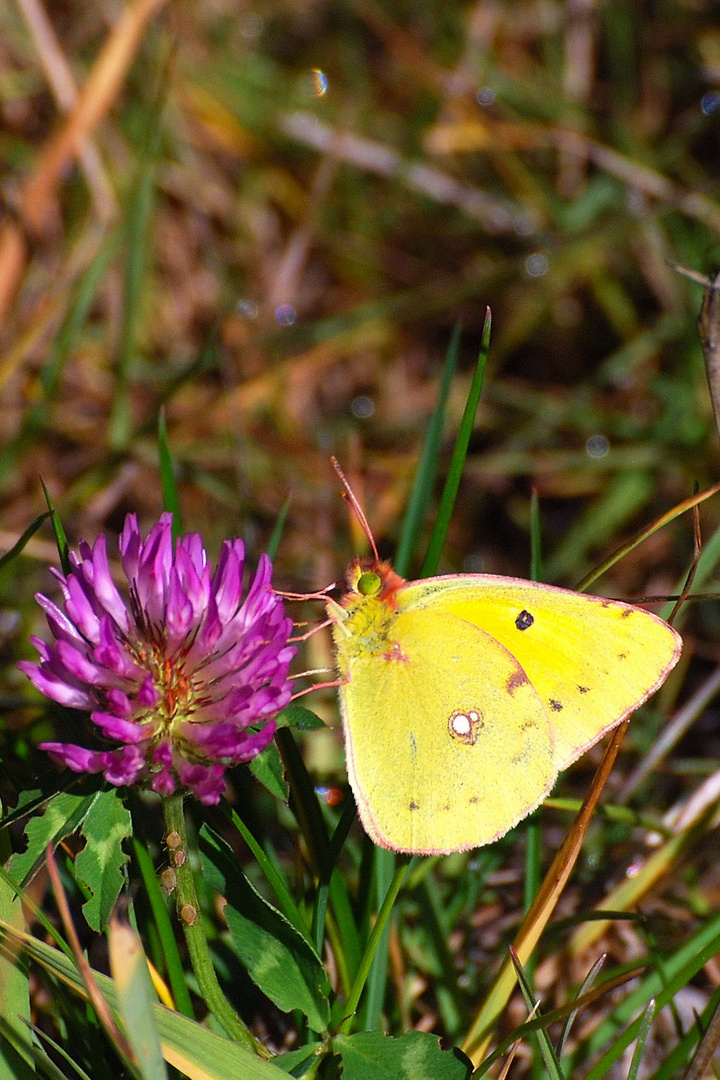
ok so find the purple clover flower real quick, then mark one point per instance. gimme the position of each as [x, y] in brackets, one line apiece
[174, 677]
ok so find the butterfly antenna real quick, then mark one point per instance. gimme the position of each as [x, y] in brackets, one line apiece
[349, 495]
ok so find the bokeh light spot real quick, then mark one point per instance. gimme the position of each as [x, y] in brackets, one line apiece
[363, 407]
[597, 446]
[536, 265]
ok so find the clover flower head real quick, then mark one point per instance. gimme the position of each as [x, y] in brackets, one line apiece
[183, 678]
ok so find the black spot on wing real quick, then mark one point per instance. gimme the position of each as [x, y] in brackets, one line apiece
[524, 620]
[556, 706]
[413, 805]
[583, 689]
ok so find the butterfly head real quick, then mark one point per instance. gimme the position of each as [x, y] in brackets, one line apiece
[369, 579]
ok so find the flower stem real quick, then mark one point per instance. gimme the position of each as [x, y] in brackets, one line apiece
[191, 920]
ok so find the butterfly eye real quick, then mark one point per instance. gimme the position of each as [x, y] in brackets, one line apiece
[369, 583]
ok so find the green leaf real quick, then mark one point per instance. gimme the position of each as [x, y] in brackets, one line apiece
[267, 767]
[297, 716]
[276, 956]
[99, 864]
[62, 816]
[370, 1055]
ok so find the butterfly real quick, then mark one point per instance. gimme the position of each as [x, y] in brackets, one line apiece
[463, 696]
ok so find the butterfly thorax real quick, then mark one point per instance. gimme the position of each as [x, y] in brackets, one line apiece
[363, 620]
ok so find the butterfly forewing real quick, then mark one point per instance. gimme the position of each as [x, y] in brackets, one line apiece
[591, 661]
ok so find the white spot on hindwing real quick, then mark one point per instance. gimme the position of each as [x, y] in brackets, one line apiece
[465, 725]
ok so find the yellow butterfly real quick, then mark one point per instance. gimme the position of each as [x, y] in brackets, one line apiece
[464, 696]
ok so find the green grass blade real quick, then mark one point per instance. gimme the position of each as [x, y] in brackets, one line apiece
[278, 528]
[14, 982]
[19, 545]
[304, 799]
[679, 970]
[536, 560]
[60, 537]
[186, 1044]
[137, 243]
[552, 1065]
[373, 976]
[647, 1020]
[678, 1058]
[586, 985]
[170, 496]
[322, 896]
[163, 926]
[457, 462]
[61, 351]
[379, 931]
[421, 494]
[272, 874]
[131, 976]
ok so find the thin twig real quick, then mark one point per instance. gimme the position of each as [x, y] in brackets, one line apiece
[103, 1010]
[62, 83]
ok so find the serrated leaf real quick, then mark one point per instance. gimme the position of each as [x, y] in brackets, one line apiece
[278, 959]
[99, 864]
[370, 1055]
[63, 815]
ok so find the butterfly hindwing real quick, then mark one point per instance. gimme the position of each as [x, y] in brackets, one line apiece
[448, 744]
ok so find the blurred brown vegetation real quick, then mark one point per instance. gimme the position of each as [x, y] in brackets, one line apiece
[268, 218]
